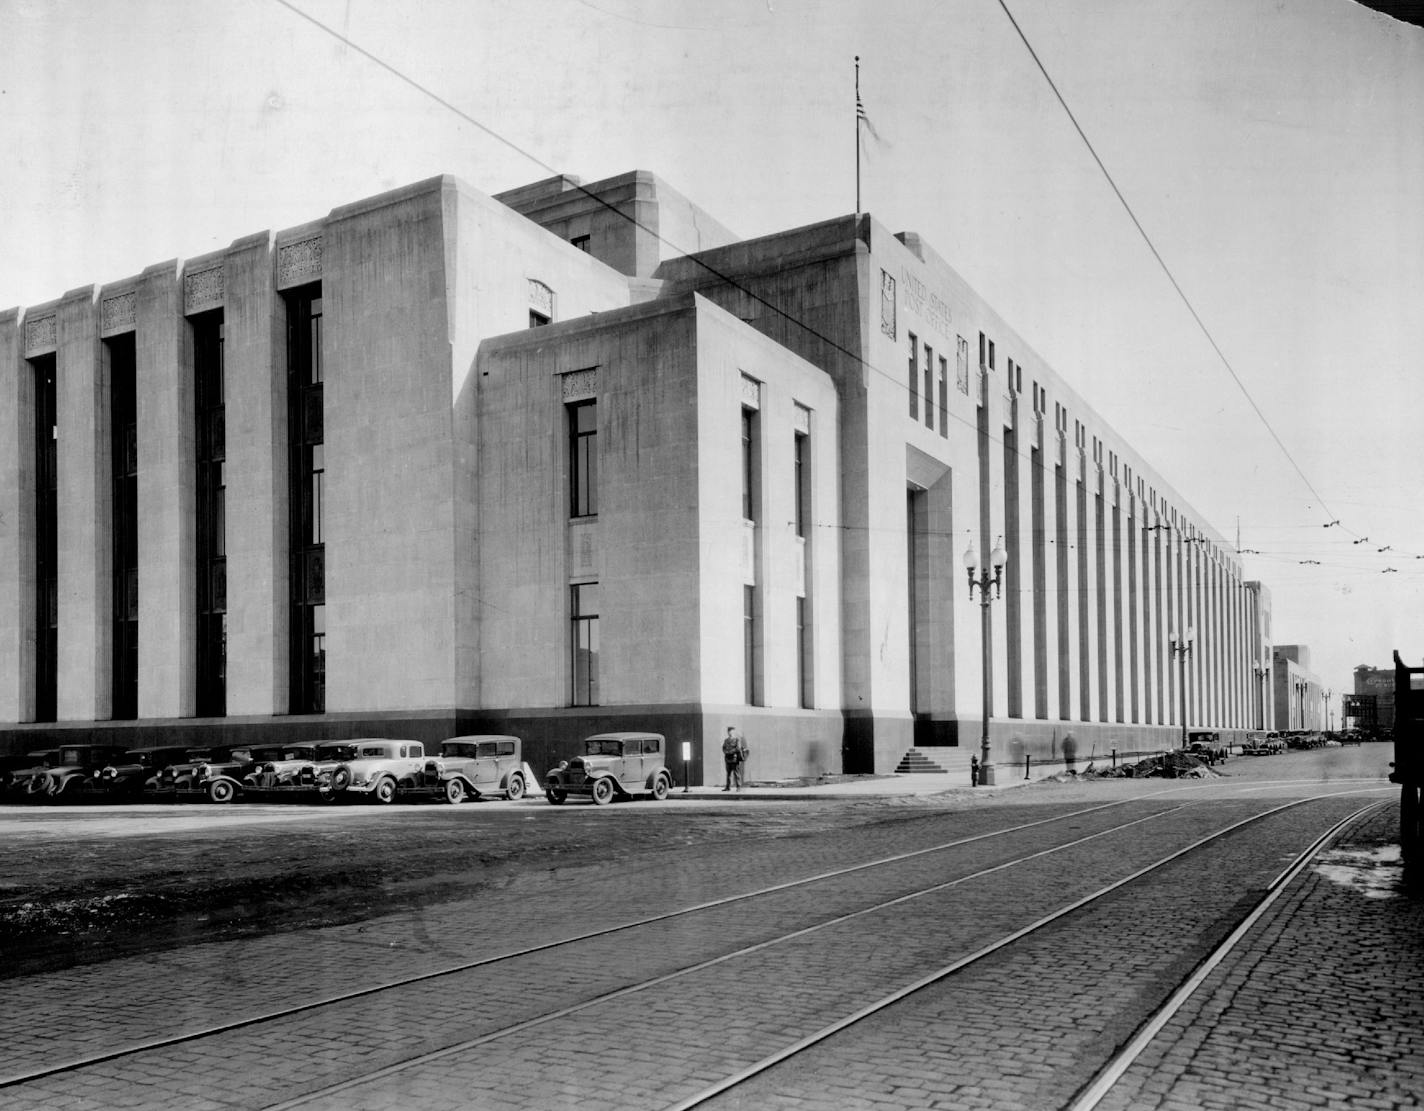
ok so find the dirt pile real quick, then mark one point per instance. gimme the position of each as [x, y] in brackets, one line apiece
[1170, 765]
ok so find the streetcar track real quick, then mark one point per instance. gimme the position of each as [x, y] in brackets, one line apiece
[1114, 1070]
[766, 1063]
[632, 989]
[273, 1015]
[940, 974]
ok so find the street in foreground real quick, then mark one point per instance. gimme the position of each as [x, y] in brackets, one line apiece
[959, 949]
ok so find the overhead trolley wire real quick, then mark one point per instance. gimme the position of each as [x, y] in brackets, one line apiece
[731, 282]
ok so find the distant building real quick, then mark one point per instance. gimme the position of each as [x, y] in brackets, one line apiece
[576, 458]
[1372, 703]
[1300, 699]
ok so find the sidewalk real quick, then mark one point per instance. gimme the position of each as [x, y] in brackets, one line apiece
[851, 786]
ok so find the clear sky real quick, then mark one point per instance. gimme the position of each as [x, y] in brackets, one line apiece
[1273, 152]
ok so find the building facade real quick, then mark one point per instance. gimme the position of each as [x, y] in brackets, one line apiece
[1301, 701]
[576, 457]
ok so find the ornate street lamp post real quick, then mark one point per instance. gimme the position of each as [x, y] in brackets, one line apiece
[982, 579]
[1182, 648]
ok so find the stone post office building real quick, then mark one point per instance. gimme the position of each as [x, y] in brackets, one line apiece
[577, 458]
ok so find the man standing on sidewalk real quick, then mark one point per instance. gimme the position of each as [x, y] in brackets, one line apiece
[734, 755]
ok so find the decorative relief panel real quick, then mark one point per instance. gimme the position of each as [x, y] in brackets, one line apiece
[298, 263]
[116, 314]
[747, 560]
[203, 289]
[580, 384]
[887, 304]
[40, 335]
[583, 549]
[801, 419]
[541, 298]
[751, 392]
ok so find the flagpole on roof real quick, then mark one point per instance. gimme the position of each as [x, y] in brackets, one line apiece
[859, 115]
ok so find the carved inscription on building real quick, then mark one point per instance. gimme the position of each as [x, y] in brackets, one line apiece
[116, 314]
[925, 302]
[39, 335]
[203, 289]
[299, 262]
[751, 392]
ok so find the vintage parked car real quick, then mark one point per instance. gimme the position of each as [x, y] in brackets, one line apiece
[1263, 744]
[68, 770]
[17, 770]
[468, 767]
[1208, 746]
[372, 772]
[287, 771]
[213, 775]
[612, 764]
[275, 766]
[123, 779]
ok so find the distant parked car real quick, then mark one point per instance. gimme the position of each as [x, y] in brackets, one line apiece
[215, 776]
[275, 767]
[68, 770]
[123, 778]
[470, 766]
[1207, 745]
[373, 772]
[612, 764]
[1263, 744]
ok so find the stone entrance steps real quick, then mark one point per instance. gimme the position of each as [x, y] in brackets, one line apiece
[944, 761]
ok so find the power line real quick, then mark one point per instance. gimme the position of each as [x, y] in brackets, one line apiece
[728, 280]
[1163, 264]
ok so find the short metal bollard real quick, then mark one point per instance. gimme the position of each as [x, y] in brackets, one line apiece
[973, 771]
[1114, 757]
[1028, 764]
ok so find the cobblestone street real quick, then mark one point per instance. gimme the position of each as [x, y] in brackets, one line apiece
[751, 928]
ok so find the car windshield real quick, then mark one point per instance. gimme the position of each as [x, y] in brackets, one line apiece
[336, 752]
[596, 746]
[462, 750]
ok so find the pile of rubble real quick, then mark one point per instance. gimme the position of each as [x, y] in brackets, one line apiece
[1170, 765]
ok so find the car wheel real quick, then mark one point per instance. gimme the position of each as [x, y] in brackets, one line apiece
[454, 792]
[38, 785]
[555, 797]
[220, 791]
[602, 791]
[384, 791]
[515, 788]
[660, 788]
[341, 778]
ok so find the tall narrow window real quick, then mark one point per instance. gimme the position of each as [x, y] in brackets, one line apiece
[46, 542]
[943, 397]
[804, 655]
[123, 415]
[583, 608]
[749, 645]
[914, 376]
[306, 434]
[929, 386]
[803, 482]
[211, 531]
[750, 471]
[583, 459]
